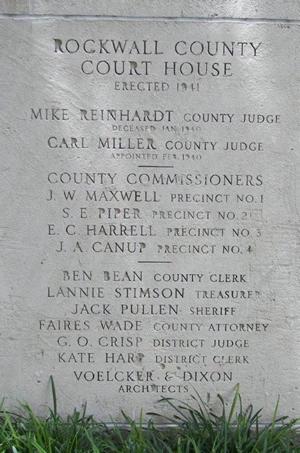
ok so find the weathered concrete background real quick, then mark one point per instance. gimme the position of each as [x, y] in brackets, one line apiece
[268, 9]
[33, 75]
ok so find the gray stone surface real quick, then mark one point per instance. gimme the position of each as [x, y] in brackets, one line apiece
[118, 195]
[282, 9]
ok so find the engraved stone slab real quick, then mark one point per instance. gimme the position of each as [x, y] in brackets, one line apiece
[149, 184]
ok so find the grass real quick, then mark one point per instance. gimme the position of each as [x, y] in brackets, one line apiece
[197, 430]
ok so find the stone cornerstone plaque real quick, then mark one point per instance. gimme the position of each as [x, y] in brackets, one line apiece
[149, 203]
